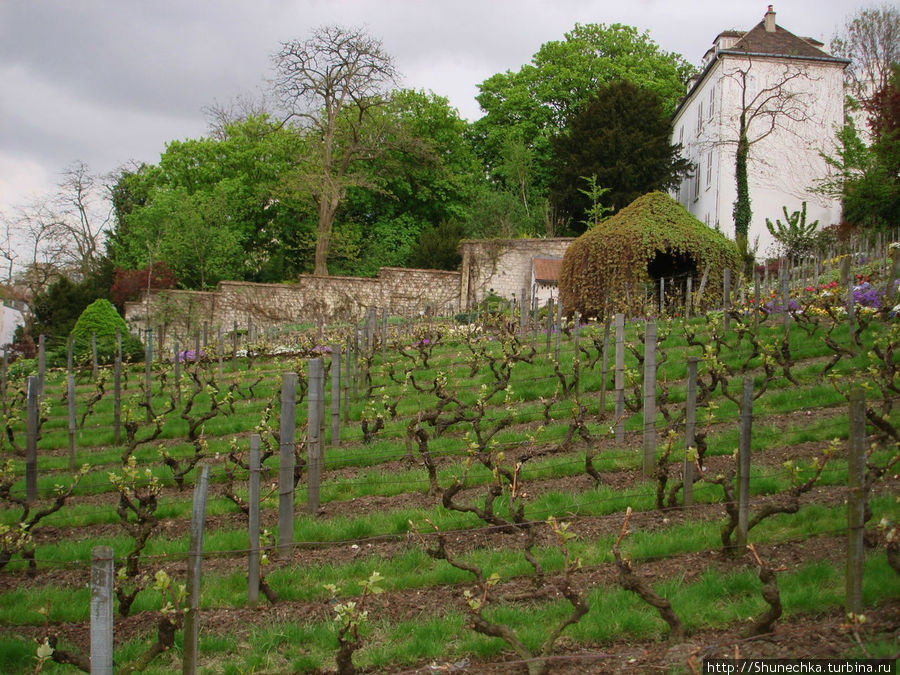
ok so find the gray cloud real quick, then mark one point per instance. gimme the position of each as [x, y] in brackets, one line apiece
[108, 81]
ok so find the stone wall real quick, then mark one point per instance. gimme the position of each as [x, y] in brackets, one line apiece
[499, 266]
[503, 266]
[310, 299]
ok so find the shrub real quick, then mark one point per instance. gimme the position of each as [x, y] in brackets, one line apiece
[652, 237]
[796, 237]
[102, 319]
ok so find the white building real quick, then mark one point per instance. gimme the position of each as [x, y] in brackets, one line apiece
[792, 94]
[10, 319]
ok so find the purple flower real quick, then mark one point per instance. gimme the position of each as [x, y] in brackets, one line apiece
[866, 295]
[190, 355]
[776, 305]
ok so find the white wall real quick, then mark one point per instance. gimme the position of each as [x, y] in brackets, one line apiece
[783, 166]
[10, 319]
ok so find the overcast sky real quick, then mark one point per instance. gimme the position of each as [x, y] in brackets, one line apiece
[108, 81]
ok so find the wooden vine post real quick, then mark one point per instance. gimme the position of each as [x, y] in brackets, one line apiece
[743, 472]
[253, 496]
[117, 400]
[95, 366]
[195, 562]
[286, 461]
[102, 566]
[649, 455]
[856, 502]
[690, 428]
[42, 364]
[148, 358]
[314, 442]
[620, 378]
[31, 432]
[336, 394]
[70, 399]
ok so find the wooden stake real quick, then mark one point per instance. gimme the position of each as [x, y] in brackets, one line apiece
[315, 400]
[649, 399]
[690, 426]
[102, 565]
[195, 562]
[620, 378]
[253, 559]
[286, 461]
[31, 431]
[856, 502]
[743, 473]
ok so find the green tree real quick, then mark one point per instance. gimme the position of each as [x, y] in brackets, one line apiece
[425, 175]
[873, 198]
[101, 320]
[867, 177]
[532, 104]
[192, 233]
[232, 180]
[621, 136]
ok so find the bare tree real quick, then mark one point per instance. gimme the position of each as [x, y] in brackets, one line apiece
[871, 40]
[768, 102]
[62, 232]
[8, 249]
[244, 106]
[332, 84]
[85, 211]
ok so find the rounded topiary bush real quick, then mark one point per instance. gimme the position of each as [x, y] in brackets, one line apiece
[100, 318]
[625, 255]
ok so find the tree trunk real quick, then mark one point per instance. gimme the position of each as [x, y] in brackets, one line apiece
[328, 205]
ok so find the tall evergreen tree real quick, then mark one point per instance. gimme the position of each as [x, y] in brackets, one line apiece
[622, 137]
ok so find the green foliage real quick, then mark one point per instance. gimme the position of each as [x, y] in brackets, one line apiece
[438, 247]
[425, 175]
[102, 319]
[596, 212]
[599, 265]
[531, 105]
[501, 214]
[867, 177]
[622, 136]
[57, 309]
[742, 211]
[209, 209]
[795, 235]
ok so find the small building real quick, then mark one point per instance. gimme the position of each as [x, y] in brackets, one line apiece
[793, 93]
[545, 279]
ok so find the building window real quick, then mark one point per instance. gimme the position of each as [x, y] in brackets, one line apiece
[700, 117]
[709, 164]
[712, 102]
[681, 136]
[696, 186]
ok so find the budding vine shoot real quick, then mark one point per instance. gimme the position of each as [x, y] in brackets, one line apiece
[497, 491]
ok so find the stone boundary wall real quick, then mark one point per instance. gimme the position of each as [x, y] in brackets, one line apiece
[310, 299]
[499, 266]
[503, 266]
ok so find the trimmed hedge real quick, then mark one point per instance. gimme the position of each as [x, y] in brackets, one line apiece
[616, 254]
[102, 319]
